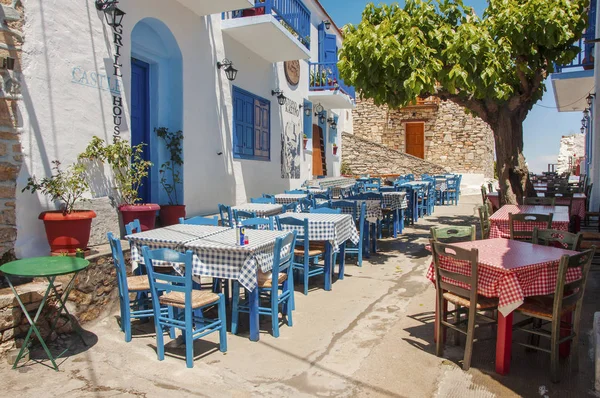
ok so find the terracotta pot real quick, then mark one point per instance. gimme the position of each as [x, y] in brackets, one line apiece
[250, 12]
[588, 62]
[67, 232]
[170, 214]
[146, 213]
[335, 150]
[304, 141]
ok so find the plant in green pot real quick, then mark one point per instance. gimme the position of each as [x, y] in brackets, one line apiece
[67, 230]
[130, 171]
[171, 176]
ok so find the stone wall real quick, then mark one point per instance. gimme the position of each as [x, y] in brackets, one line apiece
[361, 156]
[11, 40]
[453, 138]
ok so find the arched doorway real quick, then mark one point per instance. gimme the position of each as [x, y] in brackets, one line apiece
[156, 97]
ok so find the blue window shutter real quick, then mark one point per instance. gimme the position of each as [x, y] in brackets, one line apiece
[262, 136]
[329, 49]
[321, 42]
[243, 124]
[308, 120]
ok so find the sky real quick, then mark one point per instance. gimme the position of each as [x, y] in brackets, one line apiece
[544, 125]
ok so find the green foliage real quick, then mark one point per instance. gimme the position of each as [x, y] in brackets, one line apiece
[127, 163]
[171, 168]
[345, 168]
[440, 47]
[67, 185]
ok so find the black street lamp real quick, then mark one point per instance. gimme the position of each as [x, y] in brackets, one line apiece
[230, 71]
[590, 99]
[327, 24]
[113, 14]
[582, 130]
[281, 99]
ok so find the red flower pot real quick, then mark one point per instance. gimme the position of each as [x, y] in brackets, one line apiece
[335, 150]
[170, 214]
[146, 213]
[250, 12]
[304, 141]
[67, 232]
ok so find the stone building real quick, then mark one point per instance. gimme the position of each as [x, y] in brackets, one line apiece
[440, 132]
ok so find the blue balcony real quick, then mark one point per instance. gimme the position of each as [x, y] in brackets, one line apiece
[327, 88]
[585, 58]
[276, 30]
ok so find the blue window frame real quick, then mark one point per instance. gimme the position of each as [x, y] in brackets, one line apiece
[251, 126]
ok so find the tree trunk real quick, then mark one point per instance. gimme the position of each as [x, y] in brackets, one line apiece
[513, 174]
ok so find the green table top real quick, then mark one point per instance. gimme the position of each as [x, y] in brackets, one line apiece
[44, 266]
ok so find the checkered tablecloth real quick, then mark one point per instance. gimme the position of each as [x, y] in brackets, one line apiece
[499, 223]
[394, 200]
[342, 189]
[510, 270]
[318, 191]
[261, 209]
[374, 211]
[577, 208]
[287, 198]
[335, 228]
[329, 182]
[219, 256]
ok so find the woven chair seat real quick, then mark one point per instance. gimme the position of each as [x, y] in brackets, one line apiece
[265, 279]
[200, 298]
[483, 303]
[541, 307]
[314, 249]
[138, 283]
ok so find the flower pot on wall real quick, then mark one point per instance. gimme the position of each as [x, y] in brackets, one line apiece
[588, 62]
[304, 141]
[250, 12]
[335, 150]
[146, 213]
[170, 214]
[67, 232]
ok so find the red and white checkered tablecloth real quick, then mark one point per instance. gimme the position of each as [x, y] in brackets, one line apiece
[577, 208]
[510, 270]
[499, 223]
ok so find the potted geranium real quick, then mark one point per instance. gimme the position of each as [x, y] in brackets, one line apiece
[335, 147]
[170, 176]
[130, 170]
[67, 230]
[304, 140]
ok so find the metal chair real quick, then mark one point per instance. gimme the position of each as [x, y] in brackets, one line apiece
[453, 234]
[550, 201]
[176, 292]
[526, 221]
[465, 299]
[562, 310]
[554, 237]
[214, 221]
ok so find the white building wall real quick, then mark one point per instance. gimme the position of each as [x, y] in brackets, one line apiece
[594, 176]
[61, 111]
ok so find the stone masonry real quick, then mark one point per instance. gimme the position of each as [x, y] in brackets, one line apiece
[453, 138]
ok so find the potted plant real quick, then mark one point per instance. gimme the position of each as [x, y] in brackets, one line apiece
[304, 140]
[249, 12]
[170, 176]
[130, 170]
[67, 230]
[335, 149]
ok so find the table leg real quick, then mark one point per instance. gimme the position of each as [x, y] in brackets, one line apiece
[504, 343]
[401, 221]
[395, 223]
[328, 265]
[63, 308]
[342, 255]
[254, 320]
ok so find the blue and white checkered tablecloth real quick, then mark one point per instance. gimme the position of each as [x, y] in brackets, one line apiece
[287, 198]
[394, 200]
[335, 228]
[374, 210]
[261, 209]
[219, 256]
[317, 191]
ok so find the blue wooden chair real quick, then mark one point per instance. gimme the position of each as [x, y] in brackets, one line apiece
[321, 205]
[176, 292]
[305, 204]
[268, 195]
[239, 215]
[226, 216]
[387, 189]
[277, 286]
[373, 184]
[265, 200]
[326, 210]
[296, 191]
[409, 177]
[452, 190]
[200, 221]
[140, 307]
[258, 223]
[359, 217]
[322, 196]
[133, 227]
[290, 208]
[306, 254]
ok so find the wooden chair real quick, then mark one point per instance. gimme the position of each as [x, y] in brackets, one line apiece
[213, 221]
[326, 210]
[265, 200]
[554, 309]
[176, 292]
[453, 234]
[305, 204]
[490, 187]
[133, 227]
[239, 215]
[465, 299]
[259, 223]
[277, 286]
[226, 216]
[483, 194]
[550, 237]
[527, 218]
[296, 191]
[322, 205]
[539, 201]
[290, 207]
[359, 218]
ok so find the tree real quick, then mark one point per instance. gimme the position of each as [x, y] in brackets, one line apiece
[493, 66]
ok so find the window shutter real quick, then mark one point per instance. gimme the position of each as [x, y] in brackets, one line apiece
[262, 142]
[308, 120]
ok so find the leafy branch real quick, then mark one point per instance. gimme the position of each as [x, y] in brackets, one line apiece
[173, 142]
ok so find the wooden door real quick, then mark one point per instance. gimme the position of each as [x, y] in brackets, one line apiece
[140, 117]
[318, 152]
[415, 139]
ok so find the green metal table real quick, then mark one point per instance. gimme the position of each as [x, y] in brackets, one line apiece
[49, 268]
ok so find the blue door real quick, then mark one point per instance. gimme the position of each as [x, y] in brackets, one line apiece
[140, 112]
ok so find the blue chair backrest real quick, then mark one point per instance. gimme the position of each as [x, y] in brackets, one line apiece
[119, 263]
[296, 191]
[282, 263]
[257, 222]
[452, 183]
[321, 205]
[300, 226]
[387, 189]
[325, 196]
[305, 204]
[133, 227]
[263, 200]
[290, 207]
[239, 215]
[345, 206]
[326, 210]
[268, 195]
[200, 221]
[169, 282]
[368, 196]
[409, 177]
[226, 215]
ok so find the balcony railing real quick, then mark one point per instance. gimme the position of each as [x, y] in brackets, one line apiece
[292, 14]
[325, 76]
[585, 57]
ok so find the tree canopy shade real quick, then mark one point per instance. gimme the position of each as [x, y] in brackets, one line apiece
[494, 66]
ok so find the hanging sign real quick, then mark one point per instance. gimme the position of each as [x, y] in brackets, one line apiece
[117, 100]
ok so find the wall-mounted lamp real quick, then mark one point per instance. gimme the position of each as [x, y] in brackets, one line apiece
[583, 122]
[113, 14]
[583, 130]
[281, 99]
[230, 71]
[586, 113]
[327, 24]
[590, 98]
[8, 63]
[332, 123]
[307, 111]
